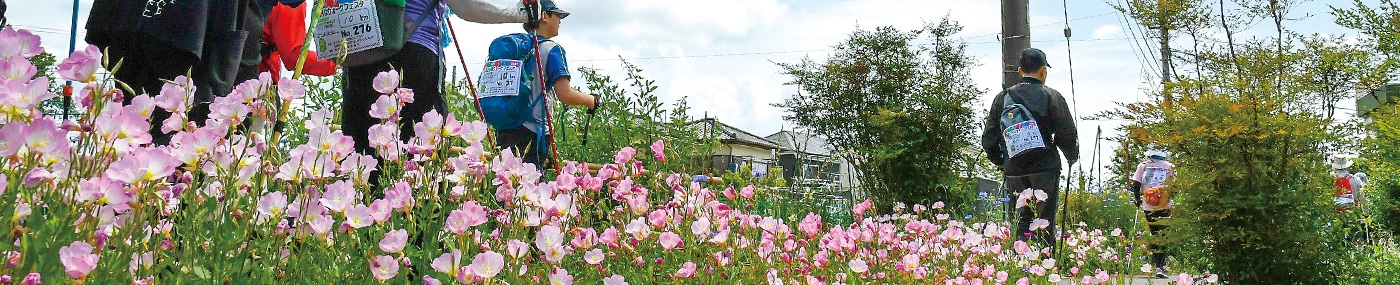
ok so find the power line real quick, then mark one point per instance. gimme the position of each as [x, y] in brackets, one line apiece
[1048, 24]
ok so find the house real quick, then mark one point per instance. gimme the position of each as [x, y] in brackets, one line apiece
[809, 160]
[1388, 94]
[739, 148]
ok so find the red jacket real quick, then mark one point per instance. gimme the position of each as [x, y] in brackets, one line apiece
[284, 33]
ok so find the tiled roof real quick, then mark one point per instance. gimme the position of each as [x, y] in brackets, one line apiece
[731, 135]
[802, 142]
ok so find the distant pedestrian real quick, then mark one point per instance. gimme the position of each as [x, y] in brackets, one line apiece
[1025, 125]
[1150, 193]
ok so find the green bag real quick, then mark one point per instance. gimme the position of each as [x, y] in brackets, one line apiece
[371, 30]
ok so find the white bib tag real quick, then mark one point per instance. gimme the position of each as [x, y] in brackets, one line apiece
[356, 23]
[500, 77]
[1021, 137]
[1155, 175]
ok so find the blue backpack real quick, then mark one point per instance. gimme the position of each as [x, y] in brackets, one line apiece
[507, 89]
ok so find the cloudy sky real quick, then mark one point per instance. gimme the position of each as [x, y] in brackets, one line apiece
[721, 53]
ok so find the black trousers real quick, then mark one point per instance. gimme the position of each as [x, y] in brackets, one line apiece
[1159, 255]
[419, 69]
[524, 144]
[1046, 181]
[144, 63]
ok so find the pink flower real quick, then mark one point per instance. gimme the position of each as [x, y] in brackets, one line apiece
[177, 96]
[448, 263]
[228, 109]
[19, 42]
[457, 221]
[142, 164]
[487, 264]
[549, 236]
[383, 267]
[78, 259]
[658, 218]
[859, 209]
[384, 108]
[687, 270]
[1039, 224]
[624, 155]
[475, 214]
[81, 65]
[339, 196]
[584, 238]
[701, 227]
[386, 82]
[272, 205]
[290, 89]
[669, 240]
[858, 266]
[380, 211]
[11, 139]
[394, 241]
[17, 69]
[44, 136]
[32, 279]
[1027, 281]
[384, 136]
[517, 248]
[747, 192]
[561, 277]
[593, 257]
[812, 225]
[1182, 278]
[359, 216]
[615, 280]
[609, 237]
[474, 131]
[658, 150]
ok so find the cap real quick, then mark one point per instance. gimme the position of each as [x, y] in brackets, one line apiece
[548, 6]
[1032, 59]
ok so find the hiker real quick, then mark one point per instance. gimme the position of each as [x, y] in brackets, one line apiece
[1025, 125]
[159, 40]
[530, 140]
[1148, 186]
[1347, 186]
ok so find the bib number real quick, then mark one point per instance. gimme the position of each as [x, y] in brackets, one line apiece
[500, 77]
[1155, 175]
[1022, 137]
[355, 23]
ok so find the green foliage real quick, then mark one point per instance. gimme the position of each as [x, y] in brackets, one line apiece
[899, 112]
[1384, 167]
[631, 117]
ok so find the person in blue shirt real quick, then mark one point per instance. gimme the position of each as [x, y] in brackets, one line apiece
[531, 140]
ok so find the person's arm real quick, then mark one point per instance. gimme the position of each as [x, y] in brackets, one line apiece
[1137, 184]
[569, 96]
[992, 142]
[1066, 133]
[288, 29]
[482, 11]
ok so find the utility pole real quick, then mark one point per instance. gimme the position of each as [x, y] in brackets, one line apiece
[72, 45]
[1015, 37]
[1166, 62]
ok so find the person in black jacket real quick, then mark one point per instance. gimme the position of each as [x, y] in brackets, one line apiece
[1033, 164]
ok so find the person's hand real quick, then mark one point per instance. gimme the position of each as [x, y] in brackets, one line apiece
[1137, 201]
[597, 103]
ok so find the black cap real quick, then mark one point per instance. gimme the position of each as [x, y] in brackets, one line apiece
[548, 6]
[1032, 59]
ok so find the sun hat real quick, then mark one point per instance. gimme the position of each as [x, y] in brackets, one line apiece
[1339, 161]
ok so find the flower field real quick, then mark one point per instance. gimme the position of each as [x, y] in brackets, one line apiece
[230, 200]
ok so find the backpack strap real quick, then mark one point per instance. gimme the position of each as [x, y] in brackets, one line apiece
[408, 32]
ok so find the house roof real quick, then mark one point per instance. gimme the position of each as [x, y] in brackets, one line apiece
[803, 142]
[731, 135]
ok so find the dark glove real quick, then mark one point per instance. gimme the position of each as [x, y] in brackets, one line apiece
[1137, 193]
[597, 103]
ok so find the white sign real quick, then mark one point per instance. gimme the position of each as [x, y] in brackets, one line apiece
[1156, 175]
[1022, 137]
[355, 23]
[500, 77]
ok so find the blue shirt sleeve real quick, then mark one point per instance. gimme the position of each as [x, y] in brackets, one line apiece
[557, 67]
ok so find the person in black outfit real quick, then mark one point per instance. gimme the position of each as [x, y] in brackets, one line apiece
[1035, 168]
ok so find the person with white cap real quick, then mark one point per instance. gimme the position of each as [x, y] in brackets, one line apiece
[1149, 186]
[1347, 186]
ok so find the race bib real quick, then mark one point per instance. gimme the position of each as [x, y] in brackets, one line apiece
[500, 77]
[355, 23]
[1155, 175]
[1022, 137]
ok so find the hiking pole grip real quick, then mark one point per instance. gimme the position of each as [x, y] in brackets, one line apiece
[533, 13]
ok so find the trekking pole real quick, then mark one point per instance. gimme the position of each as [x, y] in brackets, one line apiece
[471, 87]
[1064, 209]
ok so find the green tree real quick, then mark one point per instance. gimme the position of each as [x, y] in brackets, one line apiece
[899, 112]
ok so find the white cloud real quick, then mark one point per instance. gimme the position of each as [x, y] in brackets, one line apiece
[1108, 32]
